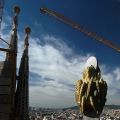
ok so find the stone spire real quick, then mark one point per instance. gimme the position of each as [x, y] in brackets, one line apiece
[22, 92]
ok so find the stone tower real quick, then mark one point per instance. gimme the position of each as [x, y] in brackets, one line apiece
[11, 106]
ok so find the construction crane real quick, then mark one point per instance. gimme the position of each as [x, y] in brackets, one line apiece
[88, 33]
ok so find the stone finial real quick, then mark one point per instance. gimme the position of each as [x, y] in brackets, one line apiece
[16, 9]
[27, 30]
[92, 61]
[91, 90]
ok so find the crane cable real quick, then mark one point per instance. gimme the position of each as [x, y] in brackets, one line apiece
[1, 15]
[4, 41]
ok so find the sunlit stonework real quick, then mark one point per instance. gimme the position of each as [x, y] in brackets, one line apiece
[91, 90]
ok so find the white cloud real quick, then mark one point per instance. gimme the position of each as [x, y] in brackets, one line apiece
[113, 81]
[58, 67]
[4, 34]
[117, 73]
[3, 26]
[51, 62]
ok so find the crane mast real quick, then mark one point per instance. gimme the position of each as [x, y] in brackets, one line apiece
[71, 23]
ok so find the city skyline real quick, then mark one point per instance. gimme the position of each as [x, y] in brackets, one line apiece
[58, 53]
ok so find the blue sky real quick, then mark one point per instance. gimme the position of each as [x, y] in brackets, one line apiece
[58, 52]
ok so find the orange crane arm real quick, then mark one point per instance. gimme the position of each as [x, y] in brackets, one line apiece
[88, 33]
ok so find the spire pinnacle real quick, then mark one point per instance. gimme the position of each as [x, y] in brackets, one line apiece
[16, 9]
[27, 32]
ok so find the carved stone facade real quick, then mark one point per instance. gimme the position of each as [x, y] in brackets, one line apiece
[91, 90]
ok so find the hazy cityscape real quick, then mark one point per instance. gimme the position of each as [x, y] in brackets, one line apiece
[69, 114]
